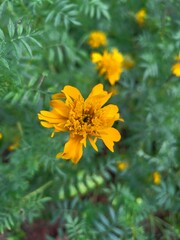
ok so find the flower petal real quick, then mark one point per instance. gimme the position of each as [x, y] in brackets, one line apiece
[109, 136]
[110, 114]
[98, 93]
[96, 57]
[46, 125]
[93, 143]
[60, 107]
[73, 150]
[49, 117]
[58, 96]
[48, 114]
[176, 69]
[72, 92]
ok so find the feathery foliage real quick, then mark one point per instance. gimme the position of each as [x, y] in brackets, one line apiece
[43, 47]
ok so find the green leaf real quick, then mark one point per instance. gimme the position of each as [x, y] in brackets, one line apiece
[75, 22]
[26, 45]
[50, 16]
[19, 29]
[60, 54]
[36, 98]
[112, 236]
[2, 37]
[35, 41]
[2, 7]
[11, 28]
[5, 62]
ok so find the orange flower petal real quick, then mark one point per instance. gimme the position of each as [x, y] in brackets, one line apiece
[110, 113]
[46, 125]
[72, 92]
[176, 69]
[93, 143]
[96, 57]
[58, 96]
[98, 93]
[109, 136]
[49, 118]
[73, 150]
[60, 107]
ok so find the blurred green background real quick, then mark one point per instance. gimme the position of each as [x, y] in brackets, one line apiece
[133, 193]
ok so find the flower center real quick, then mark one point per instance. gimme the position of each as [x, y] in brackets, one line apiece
[82, 119]
[86, 119]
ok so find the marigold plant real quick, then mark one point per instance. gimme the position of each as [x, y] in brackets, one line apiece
[82, 119]
[140, 16]
[176, 67]
[128, 62]
[122, 166]
[109, 64]
[156, 177]
[97, 39]
[104, 57]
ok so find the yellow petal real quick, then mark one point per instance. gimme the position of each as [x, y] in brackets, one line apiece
[177, 58]
[110, 110]
[60, 107]
[109, 136]
[93, 143]
[96, 57]
[110, 114]
[113, 78]
[73, 150]
[72, 92]
[46, 125]
[49, 119]
[117, 55]
[60, 127]
[48, 114]
[176, 69]
[58, 96]
[98, 93]
[83, 141]
[52, 134]
[98, 89]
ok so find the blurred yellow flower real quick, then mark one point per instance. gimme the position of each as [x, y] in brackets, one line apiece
[97, 39]
[176, 67]
[109, 64]
[156, 177]
[177, 58]
[140, 16]
[128, 62]
[82, 119]
[122, 166]
[1, 135]
[13, 146]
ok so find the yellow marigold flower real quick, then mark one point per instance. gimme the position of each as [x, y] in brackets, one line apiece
[122, 166]
[176, 67]
[82, 119]
[109, 64]
[128, 62]
[140, 16]
[1, 135]
[177, 58]
[13, 146]
[156, 177]
[97, 39]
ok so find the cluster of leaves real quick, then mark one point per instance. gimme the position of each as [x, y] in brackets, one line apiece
[43, 47]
